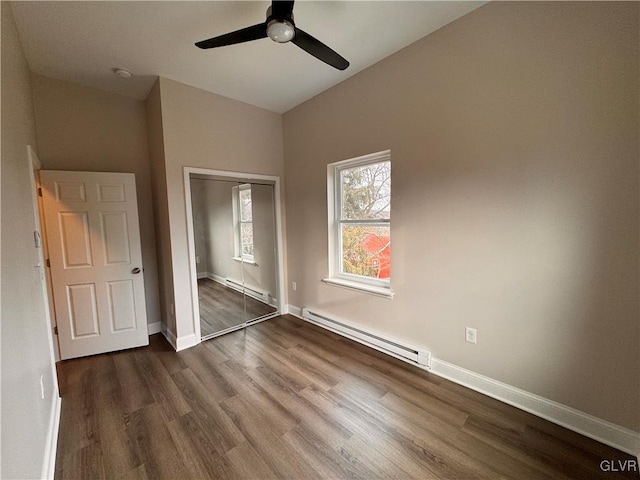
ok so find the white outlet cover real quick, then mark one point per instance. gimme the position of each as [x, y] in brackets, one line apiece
[470, 335]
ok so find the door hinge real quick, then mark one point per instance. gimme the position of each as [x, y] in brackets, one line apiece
[39, 191]
[48, 263]
[55, 330]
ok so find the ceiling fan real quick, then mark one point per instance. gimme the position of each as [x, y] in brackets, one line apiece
[280, 28]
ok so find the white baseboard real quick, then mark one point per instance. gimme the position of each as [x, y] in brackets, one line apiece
[293, 310]
[202, 275]
[51, 445]
[216, 278]
[605, 432]
[188, 341]
[153, 328]
[180, 343]
[601, 430]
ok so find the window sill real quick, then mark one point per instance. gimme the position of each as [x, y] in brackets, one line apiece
[371, 289]
[243, 260]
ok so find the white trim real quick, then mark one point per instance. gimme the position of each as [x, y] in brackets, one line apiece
[193, 267]
[216, 278]
[202, 275]
[244, 260]
[155, 327]
[181, 343]
[187, 341]
[281, 291]
[600, 430]
[295, 311]
[362, 287]
[35, 166]
[51, 445]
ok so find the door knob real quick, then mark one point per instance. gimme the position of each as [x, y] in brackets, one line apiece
[135, 270]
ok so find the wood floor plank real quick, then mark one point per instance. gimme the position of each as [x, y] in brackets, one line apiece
[162, 350]
[286, 399]
[494, 459]
[162, 386]
[278, 416]
[320, 452]
[432, 451]
[114, 419]
[304, 411]
[131, 379]
[221, 431]
[258, 431]
[199, 450]
[219, 388]
[249, 464]
[385, 459]
[154, 444]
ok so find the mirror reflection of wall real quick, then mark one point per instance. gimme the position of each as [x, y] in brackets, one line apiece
[234, 234]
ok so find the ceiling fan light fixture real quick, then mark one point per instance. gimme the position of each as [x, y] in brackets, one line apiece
[280, 31]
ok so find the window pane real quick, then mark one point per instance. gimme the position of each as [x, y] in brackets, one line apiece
[245, 205]
[246, 231]
[366, 250]
[366, 191]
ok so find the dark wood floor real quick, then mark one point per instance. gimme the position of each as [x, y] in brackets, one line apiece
[222, 307]
[285, 399]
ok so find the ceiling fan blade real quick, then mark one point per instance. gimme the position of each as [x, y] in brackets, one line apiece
[239, 36]
[281, 9]
[319, 50]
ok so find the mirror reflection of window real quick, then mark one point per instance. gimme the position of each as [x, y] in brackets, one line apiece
[243, 221]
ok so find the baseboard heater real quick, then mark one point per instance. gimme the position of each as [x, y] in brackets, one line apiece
[252, 292]
[400, 350]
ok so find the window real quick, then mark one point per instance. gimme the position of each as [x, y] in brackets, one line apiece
[243, 222]
[359, 194]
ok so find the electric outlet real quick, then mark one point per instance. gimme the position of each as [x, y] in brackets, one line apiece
[42, 386]
[197, 258]
[173, 310]
[294, 286]
[470, 335]
[220, 263]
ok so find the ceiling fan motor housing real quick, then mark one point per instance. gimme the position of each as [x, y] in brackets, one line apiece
[280, 30]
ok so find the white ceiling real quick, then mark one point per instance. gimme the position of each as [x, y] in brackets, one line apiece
[82, 42]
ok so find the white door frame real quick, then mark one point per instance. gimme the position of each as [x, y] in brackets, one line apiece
[281, 293]
[34, 166]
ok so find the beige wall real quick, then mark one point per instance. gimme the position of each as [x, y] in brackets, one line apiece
[26, 347]
[153, 109]
[84, 129]
[201, 129]
[514, 140]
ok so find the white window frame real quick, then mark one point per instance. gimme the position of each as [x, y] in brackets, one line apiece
[237, 224]
[376, 286]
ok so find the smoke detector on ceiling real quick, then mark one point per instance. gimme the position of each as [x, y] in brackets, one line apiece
[122, 73]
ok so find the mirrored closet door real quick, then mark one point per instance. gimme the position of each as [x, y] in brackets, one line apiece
[235, 249]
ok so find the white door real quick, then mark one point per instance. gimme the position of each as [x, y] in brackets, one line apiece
[91, 222]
